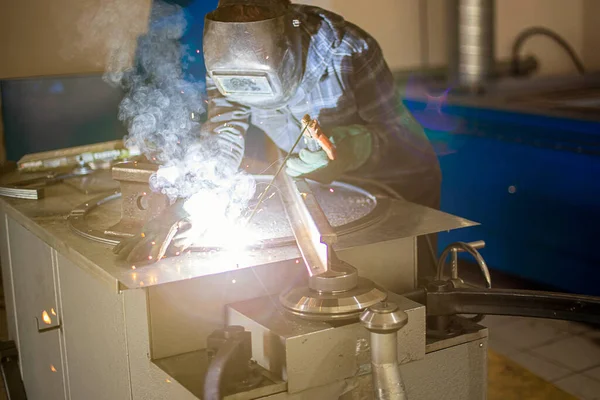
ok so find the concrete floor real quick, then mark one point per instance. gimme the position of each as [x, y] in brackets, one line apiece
[566, 354]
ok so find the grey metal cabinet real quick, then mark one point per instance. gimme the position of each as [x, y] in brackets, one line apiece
[37, 314]
[94, 335]
[69, 326]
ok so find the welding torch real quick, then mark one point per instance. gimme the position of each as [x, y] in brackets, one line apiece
[319, 139]
[315, 139]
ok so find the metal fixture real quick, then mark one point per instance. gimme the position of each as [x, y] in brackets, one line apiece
[139, 204]
[384, 320]
[335, 291]
[471, 43]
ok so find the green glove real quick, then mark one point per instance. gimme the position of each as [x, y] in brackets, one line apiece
[353, 147]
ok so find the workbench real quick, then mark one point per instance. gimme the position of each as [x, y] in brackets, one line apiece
[90, 327]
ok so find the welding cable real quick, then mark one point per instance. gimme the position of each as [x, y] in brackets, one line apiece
[216, 369]
[539, 30]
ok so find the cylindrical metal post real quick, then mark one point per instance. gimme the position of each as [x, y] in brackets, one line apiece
[471, 42]
[384, 320]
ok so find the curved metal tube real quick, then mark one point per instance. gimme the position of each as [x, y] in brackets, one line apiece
[472, 251]
[214, 375]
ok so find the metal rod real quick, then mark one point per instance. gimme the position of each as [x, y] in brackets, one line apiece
[263, 194]
[523, 303]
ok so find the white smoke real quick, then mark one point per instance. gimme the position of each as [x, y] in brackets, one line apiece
[161, 109]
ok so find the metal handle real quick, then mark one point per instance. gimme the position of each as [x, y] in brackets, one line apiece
[472, 250]
[479, 244]
[48, 328]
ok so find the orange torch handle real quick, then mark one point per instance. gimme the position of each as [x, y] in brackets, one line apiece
[314, 131]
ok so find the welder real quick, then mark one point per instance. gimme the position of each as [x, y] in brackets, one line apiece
[270, 62]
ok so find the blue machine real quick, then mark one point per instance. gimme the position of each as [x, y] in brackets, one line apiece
[532, 181]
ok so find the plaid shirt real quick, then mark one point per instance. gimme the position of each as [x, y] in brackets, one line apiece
[346, 82]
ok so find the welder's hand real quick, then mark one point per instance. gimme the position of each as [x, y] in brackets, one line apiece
[163, 233]
[353, 146]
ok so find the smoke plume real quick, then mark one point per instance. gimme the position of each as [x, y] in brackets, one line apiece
[162, 109]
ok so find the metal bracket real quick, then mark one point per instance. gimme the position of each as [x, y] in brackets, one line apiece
[48, 329]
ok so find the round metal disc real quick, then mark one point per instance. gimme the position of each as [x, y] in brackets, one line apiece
[348, 209]
[319, 306]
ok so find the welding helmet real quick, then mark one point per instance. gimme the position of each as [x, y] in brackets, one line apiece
[257, 62]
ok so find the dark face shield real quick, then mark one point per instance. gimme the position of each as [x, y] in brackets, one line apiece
[256, 63]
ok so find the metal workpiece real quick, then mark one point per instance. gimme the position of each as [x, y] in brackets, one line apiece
[471, 43]
[383, 321]
[310, 226]
[334, 292]
[34, 188]
[139, 204]
[291, 347]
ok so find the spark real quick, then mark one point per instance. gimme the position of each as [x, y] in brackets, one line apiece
[198, 51]
[53, 312]
[142, 283]
[52, 368]
[331, 190]
[143, 234]
[177, 253]
[153, 243]
[149, 257]
[168, 380]
[133, 267]
[233, 281]
[297, 261]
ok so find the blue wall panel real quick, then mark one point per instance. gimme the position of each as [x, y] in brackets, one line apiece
[532, 182]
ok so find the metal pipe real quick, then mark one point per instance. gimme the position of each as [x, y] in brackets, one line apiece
[472, 42]
[387, 380]
[384, 320]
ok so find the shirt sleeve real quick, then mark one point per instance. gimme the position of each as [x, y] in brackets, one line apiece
[379, 105]
[226, 125]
